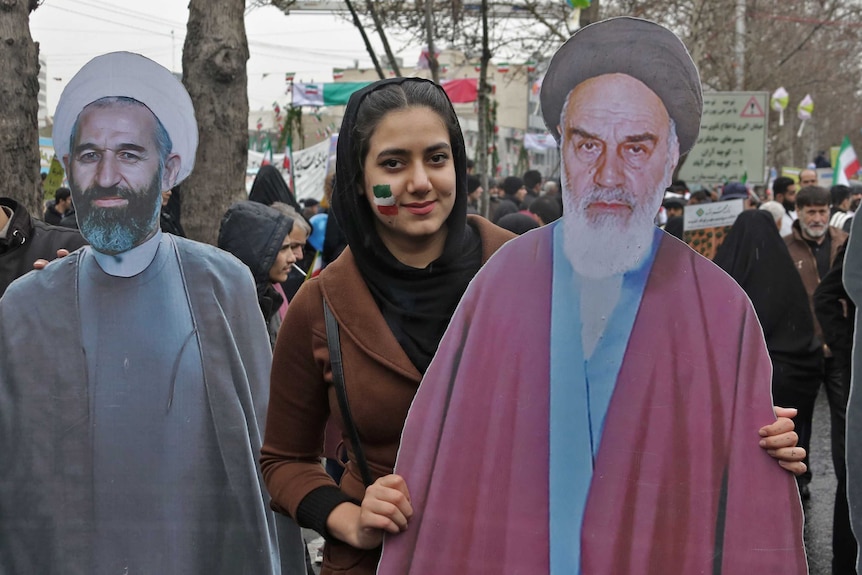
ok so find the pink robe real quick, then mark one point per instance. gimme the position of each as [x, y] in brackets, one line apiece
[680, 483]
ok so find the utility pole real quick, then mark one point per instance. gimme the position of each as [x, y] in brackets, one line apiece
[484, 90]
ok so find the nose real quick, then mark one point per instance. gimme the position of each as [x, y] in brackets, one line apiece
[609, 171]
[419, 181]
[108, 174]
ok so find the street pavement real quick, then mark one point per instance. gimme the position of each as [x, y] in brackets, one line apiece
[818, 510]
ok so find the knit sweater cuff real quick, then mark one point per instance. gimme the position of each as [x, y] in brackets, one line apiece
[314, 509]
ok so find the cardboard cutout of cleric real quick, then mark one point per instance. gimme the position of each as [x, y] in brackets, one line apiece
[853, 286]
[134, 373]
[594, 405]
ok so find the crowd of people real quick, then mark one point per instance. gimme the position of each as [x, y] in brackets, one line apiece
[186, 428]
[787, 251]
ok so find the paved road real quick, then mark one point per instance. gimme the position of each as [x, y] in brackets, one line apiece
[818, 510]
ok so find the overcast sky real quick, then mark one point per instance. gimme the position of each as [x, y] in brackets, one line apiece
[71, 32]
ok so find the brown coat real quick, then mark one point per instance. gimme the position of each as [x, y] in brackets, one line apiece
[806, 264]
[380, 381]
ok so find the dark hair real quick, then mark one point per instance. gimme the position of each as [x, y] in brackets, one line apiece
[473, 184]
[392, 97]
[679, 187]
[517, 223]
[839, 194]
[547, 208]
[531, 178]
[781, 184]
[812, 196]
[61, 194]
[701, 196]
[512, 184]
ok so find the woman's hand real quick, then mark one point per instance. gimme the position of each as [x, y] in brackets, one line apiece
[385, 508]
[779, 441]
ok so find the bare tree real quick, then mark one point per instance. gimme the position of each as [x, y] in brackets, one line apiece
[19, 91]
[214, 72]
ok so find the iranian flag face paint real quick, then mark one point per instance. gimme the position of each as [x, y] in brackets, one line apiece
[384, 200]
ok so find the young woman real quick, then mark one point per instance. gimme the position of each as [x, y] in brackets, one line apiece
[401, 198]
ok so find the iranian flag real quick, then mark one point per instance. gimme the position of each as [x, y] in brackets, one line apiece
[316, 266]
[325, 94]
[847, 164]
[460, 91]
[267, 153]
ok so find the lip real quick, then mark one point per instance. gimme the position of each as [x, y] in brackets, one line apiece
[419, 208]
[609, 206]
[111, 202]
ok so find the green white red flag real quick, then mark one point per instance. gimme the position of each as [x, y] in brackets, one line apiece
[847, 164]
[460, 91]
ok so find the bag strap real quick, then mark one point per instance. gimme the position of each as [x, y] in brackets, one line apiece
[333, 342]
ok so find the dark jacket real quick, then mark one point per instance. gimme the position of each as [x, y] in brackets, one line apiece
[52, 216]
[836, 311]
[28, 240]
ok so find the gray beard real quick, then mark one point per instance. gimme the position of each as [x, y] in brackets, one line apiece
[603, 246]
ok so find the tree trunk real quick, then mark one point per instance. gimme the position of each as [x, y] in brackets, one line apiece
[19, 92]
[589, 15]
[214, 72]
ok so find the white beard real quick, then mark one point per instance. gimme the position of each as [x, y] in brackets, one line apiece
[608, 245]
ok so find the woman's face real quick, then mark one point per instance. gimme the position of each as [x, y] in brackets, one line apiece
[290, 252]
[410, 179]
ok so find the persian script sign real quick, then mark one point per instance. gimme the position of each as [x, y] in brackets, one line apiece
[706, 225]
[732, 141]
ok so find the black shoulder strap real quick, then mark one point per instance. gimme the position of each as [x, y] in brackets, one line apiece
[333, 341]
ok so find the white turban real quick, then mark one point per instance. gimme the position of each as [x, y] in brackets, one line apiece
[123, 74]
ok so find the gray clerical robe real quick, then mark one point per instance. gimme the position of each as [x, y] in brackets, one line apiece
[47, 494]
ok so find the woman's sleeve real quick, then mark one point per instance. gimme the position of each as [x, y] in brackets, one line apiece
[297, 415]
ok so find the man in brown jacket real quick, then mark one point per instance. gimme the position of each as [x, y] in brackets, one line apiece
[813, 246]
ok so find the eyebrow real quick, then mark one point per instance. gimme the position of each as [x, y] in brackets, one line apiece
[644, 137]
[404, 152]
[123, 146]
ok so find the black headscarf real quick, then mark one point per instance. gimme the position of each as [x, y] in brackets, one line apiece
[754, 254]
[269, 187]
[416, 303]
